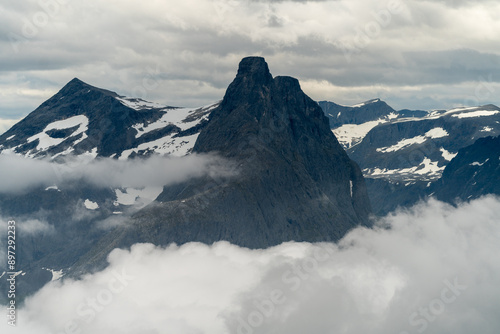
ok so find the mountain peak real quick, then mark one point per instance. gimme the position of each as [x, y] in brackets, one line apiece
[292, 180]
[76, 86]
[254, 69]
[287, 157]
[253, 65]
[75, 82]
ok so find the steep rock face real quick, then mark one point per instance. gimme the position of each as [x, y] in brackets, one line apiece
[294, 181]
[474, 172]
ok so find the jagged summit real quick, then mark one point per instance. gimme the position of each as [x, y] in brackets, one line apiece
[254, 69]
[293, 179]
[263, 110]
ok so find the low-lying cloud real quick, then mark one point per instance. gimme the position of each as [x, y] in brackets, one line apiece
[20, 174]
[431, 269]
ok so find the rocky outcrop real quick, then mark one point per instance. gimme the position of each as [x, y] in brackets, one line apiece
[293, 182]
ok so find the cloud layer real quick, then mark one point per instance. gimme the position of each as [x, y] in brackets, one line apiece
[414, 54]
[431, 269]
[20, 174]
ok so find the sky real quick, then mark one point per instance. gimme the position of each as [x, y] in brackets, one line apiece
[372, 281]
[412, 54]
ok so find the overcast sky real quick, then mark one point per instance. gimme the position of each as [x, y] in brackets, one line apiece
[412, 54]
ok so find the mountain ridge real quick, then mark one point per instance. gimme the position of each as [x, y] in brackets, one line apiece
[294, 180]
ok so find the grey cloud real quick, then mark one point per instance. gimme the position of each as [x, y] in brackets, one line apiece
[198, 50]
[451, 66]
[112, 222]
[35, 226]
[20, 174]
[428, 268]
[462, 3]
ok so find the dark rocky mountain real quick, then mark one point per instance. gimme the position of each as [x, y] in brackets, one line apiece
[294, 180]
[474, 172]
[371, 110]
[82, 119]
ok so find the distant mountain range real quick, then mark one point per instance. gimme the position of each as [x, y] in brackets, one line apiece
[403, 153]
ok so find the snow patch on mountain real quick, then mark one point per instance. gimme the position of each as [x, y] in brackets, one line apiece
[178, 117]
[447, 155]
[365, 103]
[427, 170]
[91, 205]
[477, 113]
[171, 144]
[137, 197]
[139, 104]
[477, 163]
[46, 141]
[350, 135]
[56, 274]
[436, 133]
[404, 143]
[392, 116]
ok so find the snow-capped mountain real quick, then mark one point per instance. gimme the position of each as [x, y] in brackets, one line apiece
[89, 122]
[78, 125]
[412, 146]
[84, 120]
[403, 152]
[352, 124]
